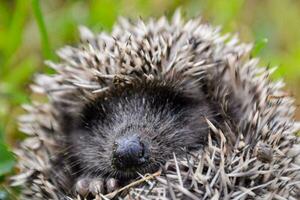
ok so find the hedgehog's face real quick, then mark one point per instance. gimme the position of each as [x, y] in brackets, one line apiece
[136, 130]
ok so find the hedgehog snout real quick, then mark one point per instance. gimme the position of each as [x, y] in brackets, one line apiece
[129, 152]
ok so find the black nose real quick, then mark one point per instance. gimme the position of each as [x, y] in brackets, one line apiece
[129, 152]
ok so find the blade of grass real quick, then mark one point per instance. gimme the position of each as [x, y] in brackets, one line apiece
[47, 53]
[12, 38]
[259, 45]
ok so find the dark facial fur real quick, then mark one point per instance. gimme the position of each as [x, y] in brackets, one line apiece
[136, 129]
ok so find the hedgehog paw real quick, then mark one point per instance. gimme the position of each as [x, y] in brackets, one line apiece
[95, 186]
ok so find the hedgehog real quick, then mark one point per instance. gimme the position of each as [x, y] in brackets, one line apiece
[159, 109]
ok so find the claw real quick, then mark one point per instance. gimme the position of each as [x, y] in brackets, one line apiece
[82, 186]
[96, 186]
[111, 185]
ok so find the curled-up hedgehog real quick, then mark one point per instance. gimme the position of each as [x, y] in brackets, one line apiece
[159, 110]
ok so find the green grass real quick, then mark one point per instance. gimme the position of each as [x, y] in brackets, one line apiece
[30, 32]
[46, 48]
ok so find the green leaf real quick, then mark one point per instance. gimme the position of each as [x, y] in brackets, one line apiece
[1, 130]
[259, 45]
[7, 159]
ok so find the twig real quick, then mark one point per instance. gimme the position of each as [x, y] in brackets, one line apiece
[148, 177]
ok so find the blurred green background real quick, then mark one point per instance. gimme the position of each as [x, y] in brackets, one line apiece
[31, 31]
